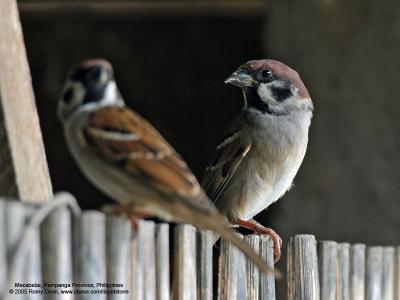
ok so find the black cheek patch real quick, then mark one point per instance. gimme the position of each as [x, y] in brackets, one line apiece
[68, 95]
[281, 94]
[94, 93]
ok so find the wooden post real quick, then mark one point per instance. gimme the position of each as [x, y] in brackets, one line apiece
[397, 274]
[204, 265]
[3, 249]
[357, 272]
[230, 266]
[118, 241]
[253, 274]
[374, 273]
[343, 277]
[147, 238]
[19, 111]
[136, 285]
[57, 251]
[303, 283]
[25, 268]
[143, 279]
[267, 281]
[388, 275]
[241, 280]
[327, 259]
[162, 261]
[184, 281]
[91, 253]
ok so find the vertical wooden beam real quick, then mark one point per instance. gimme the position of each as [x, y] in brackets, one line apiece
[26, 267]
[267, 281]
[204, 265]
[19, 110]
[3, 249]
[374, 273]
[327, 259]
[231, 282]
[397, 275]
[149, 258]
[57, 251]
[388, 273]
[184, 281]
[162, 261]
[357, 272]
[343, 277]
[118, 241]
[91, 253]
[253, 274]
[303, 281]
[143, 255]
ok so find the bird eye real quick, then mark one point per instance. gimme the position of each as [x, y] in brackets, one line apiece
[266, 74]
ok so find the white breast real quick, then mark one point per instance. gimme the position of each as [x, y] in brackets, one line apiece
[269, 168]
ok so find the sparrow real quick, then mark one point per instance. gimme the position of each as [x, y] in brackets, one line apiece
[126, 158]
[262, 149]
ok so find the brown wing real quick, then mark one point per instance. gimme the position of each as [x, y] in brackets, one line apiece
[122, 136]
[225, 160]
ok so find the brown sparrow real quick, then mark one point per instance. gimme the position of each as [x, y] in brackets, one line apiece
[126, 158]
[264, 146]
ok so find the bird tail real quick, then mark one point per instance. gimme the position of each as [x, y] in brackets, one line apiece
[228, 234]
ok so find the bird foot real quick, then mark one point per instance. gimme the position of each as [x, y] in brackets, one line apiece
[259, 229]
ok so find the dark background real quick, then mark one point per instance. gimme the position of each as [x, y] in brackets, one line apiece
[170, 65]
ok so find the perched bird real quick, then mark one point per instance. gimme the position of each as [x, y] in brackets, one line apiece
[263, 147]
[126, 158]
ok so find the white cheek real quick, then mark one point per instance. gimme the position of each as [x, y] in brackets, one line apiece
[110, 94]
[265, 93]
[78, 90]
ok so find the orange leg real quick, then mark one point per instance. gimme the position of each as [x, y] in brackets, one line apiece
[259, 229]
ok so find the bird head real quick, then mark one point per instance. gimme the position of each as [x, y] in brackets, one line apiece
[92, 81]
[271, 87]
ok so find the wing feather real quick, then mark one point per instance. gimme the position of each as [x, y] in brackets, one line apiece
[226, 159]
[122, 136]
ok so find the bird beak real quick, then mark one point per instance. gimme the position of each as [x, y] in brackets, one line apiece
[241, 78]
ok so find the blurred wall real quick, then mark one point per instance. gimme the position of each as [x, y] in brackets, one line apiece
[170, 66]
[348, 55]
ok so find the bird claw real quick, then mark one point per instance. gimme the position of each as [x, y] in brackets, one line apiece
[259, 229]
